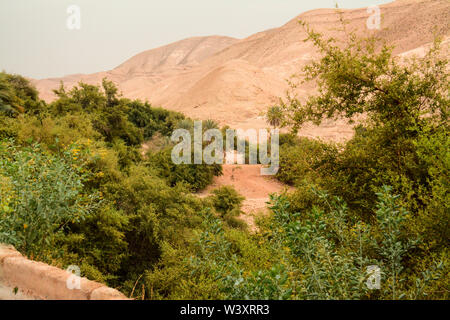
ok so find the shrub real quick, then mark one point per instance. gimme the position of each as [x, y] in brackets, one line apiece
[226, 200]
[195, 176]
[304, 160]
[44, 193]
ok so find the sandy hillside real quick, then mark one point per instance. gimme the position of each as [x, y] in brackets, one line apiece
[234, 81]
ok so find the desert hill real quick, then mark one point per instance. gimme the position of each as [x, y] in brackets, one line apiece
[233, 81]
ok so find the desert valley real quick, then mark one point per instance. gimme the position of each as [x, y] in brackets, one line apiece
[113, 184]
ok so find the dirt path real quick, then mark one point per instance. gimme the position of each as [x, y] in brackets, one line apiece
[248, 181]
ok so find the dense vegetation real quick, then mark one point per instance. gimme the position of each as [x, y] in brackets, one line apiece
[388, 187]
[76, 188]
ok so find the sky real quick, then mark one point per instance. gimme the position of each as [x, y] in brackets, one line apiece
[36, 42]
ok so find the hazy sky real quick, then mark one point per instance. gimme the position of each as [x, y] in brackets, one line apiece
[35, 40]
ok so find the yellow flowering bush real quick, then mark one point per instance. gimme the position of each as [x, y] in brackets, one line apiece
[40, 194]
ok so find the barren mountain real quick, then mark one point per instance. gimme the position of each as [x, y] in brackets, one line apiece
[234, 81]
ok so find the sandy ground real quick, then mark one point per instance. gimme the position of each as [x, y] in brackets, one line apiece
[248, 181]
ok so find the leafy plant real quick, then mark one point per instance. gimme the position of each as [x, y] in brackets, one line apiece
[44, 193]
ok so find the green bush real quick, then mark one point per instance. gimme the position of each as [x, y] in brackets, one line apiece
[304, 158]
[195, 176]
[43, 194]
[226, 200]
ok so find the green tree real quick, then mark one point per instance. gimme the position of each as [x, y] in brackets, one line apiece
[210, 124]
[8, 100]
[274, 116]
[360, 78]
